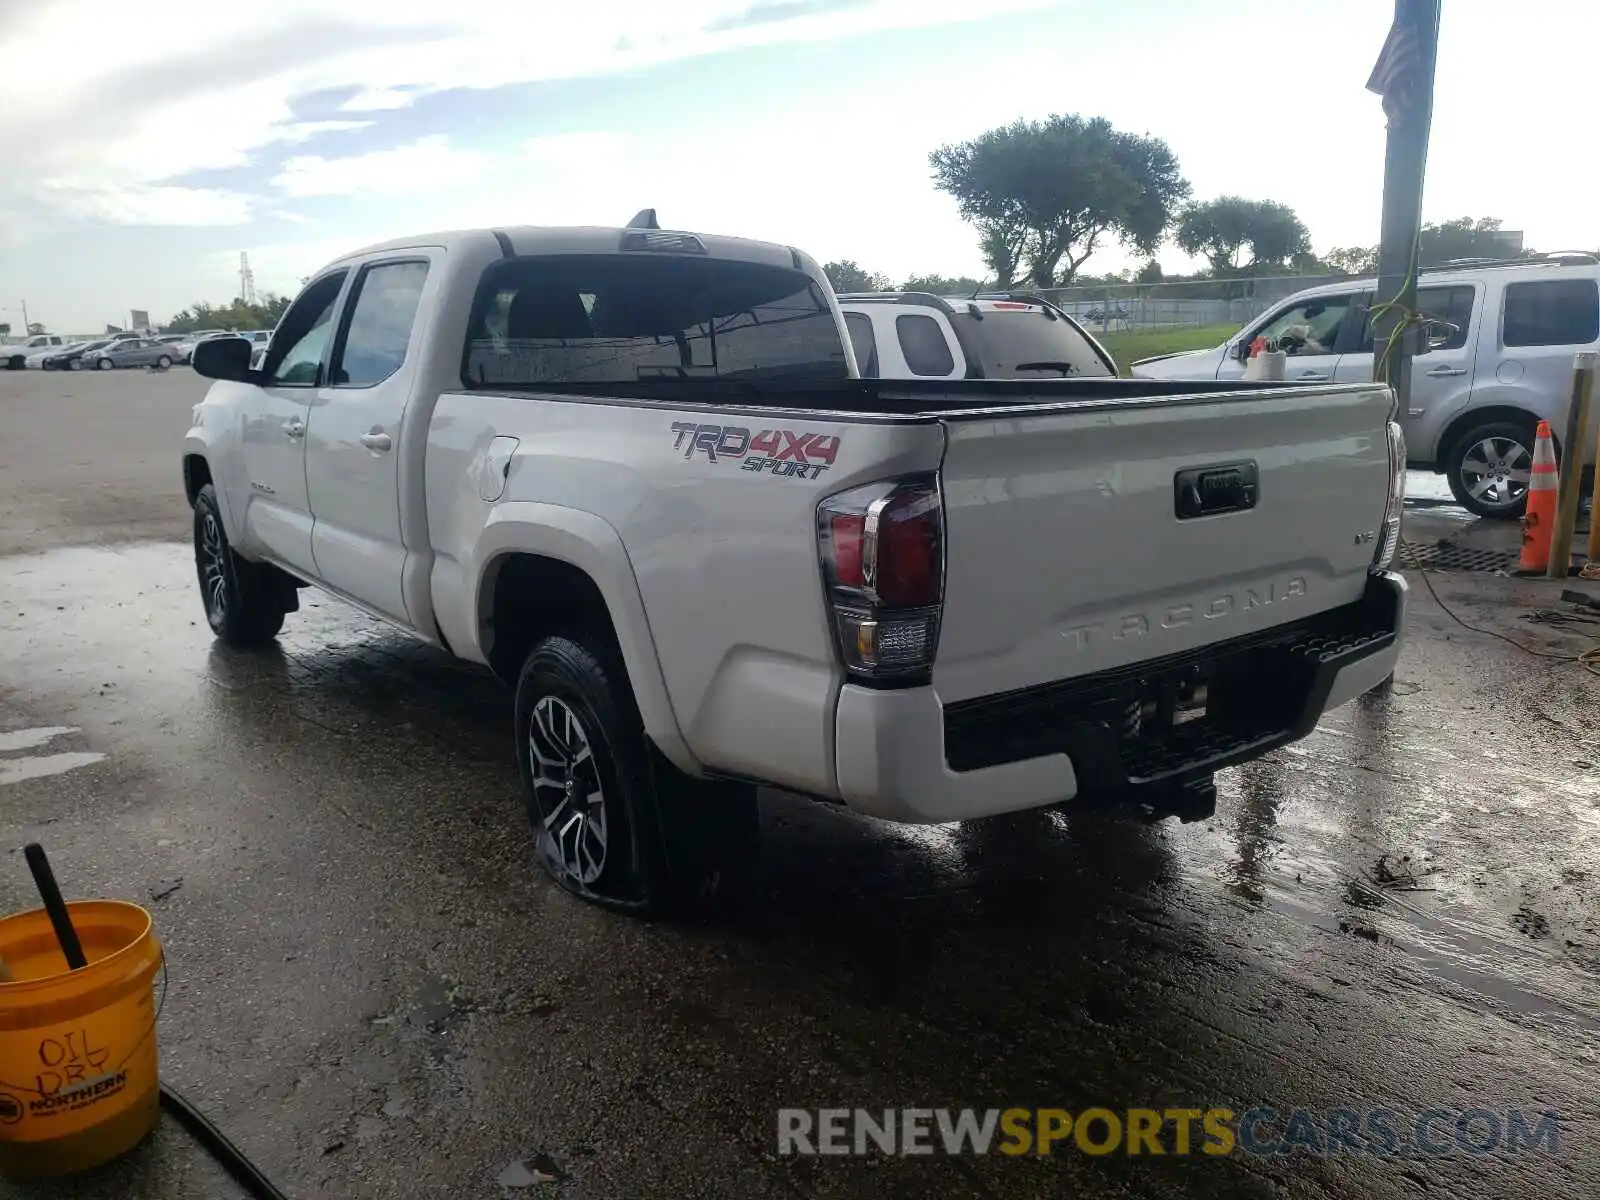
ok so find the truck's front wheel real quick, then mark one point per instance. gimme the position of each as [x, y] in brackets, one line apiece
[244, 607]
[613, 821]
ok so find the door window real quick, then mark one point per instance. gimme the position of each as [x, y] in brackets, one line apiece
[924, 345]
[378, 329]
[1308, 327]
[295, 359]
[1553, 312]
[1451, 306]
[865, 343]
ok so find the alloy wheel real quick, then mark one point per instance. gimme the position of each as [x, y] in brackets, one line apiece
[1496, 470]
[566, 787]
[211, 554]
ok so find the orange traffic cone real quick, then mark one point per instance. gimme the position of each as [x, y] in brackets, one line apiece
[1539, 520]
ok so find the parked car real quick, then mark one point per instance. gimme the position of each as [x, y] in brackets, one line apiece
[37, 359]
[935, 599]
[185, 347]
[14, 357]
[1498, 360]
[130, 352]
[71, 357]
[915, 335]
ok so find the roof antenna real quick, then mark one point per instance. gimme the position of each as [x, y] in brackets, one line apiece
[645, 218]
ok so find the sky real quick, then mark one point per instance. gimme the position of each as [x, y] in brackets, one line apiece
[133, 170]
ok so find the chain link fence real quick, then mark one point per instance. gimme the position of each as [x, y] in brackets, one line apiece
[1187, 304]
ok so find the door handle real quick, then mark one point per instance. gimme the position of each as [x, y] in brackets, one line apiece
[1445, 372]
[377, 440]
[1313, 376]
[295, 428]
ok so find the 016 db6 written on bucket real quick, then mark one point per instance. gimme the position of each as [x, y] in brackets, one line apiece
[78, 1061]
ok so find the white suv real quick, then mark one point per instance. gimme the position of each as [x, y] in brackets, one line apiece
[917, 335]
[1499, 359]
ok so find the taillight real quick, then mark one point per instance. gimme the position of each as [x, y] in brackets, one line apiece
[882, 551]
[1394, 505]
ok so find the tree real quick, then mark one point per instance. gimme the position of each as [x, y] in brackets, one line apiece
[1467, 238]
[944, 285]
[847, 276]
[1049, 193]
[1219, 230]
[1352, 260]
[236, 315]
[1150, 273]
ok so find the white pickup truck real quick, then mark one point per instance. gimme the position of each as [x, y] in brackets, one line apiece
[636, 473]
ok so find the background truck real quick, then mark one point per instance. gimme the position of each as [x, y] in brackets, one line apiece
[635, 472]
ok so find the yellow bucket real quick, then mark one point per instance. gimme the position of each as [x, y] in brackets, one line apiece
[78, 1080]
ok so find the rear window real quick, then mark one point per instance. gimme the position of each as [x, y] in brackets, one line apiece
[622, 318]
[1028, 344]
[1555, 312]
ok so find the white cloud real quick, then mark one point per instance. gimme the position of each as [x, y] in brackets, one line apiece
[424, 164]
[144, 204]
[162, 108]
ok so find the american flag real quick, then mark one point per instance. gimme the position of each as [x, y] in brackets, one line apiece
[1395, 76]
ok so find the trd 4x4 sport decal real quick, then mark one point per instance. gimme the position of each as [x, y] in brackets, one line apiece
[789, 452]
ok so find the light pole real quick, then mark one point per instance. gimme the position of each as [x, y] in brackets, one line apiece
[1404, 77]
[24, 311]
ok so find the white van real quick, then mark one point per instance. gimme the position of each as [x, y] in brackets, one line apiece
[1499, 359]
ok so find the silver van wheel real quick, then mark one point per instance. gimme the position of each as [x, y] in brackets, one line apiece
[1495, 471]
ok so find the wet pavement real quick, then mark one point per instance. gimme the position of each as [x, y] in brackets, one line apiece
[373, 992]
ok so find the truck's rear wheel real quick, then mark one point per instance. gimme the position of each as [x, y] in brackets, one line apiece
[244, 603]
[615, 823]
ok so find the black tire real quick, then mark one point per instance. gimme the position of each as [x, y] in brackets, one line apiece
[163, 362]
[243, 600]
[77, 364]
[1494, 443]
[664, 839]
[105, 364]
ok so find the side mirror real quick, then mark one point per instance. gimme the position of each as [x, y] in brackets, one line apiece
[223, 358]
[1240, 350]
[1436, 334]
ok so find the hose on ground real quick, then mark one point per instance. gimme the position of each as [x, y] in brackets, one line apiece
[232, 1159]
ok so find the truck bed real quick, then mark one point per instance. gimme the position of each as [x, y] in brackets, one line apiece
[869, 399]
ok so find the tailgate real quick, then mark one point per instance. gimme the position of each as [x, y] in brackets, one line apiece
[1087, 537]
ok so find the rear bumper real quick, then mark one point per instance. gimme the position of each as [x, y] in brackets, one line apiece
[905, 756]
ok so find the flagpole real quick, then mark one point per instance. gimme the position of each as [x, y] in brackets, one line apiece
[1409, 102]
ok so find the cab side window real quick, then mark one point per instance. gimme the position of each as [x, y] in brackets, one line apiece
[1309, 327]
[295, 359]
[378, 329]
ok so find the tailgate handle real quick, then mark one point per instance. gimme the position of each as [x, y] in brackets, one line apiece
[1208, 491]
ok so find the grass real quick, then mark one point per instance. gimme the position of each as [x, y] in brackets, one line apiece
[1128, 347]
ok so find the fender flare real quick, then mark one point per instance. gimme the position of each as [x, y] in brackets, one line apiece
[195, 445]
[589, 543]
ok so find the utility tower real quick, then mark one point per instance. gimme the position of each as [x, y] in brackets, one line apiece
[247, 279]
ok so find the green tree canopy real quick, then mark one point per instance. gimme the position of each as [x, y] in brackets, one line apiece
[1219, 231]
[945, 285]
[1352, 260]
[234, 315]
[1467, 238]
[1048, 193]
[847, 276]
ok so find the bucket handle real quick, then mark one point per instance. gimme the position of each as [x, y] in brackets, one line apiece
[128, 1057]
